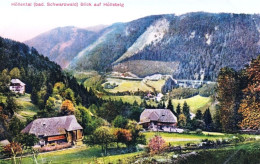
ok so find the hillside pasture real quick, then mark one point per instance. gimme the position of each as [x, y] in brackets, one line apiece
[157, 85]
[27, 108]
[127, 85]
[195, 102]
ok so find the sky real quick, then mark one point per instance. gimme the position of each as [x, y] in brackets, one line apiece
[22, 23]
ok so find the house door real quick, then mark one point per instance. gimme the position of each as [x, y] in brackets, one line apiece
[74, 136]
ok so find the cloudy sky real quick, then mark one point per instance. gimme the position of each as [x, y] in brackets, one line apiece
[23, 23]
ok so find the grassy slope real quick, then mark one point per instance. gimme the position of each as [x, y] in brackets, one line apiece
[195, 103]
[27, 108]
[127, 85]
[156, 84]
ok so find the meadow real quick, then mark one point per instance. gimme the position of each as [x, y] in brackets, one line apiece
[27, 109]
[127, 85]
[195, 103]
[86, 154]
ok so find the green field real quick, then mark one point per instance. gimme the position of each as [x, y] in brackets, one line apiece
[195, 102]
[157, 85]
[28, 109]
[182, 139]
[85, 154]
[77, 155]
[127, 85]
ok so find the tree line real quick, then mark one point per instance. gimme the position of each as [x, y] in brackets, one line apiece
[239, 97]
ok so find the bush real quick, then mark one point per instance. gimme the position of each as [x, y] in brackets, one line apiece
[156, 145]
[199, 131]
[186, 131]
[52, 147]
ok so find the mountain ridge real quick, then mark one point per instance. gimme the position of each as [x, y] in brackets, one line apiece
[201, 43]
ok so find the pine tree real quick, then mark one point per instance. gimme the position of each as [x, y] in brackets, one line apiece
[186, 111]
[163, 105]
[171, 107]
[217, 118]
[208, 120]
[178, 109]
[199, 115]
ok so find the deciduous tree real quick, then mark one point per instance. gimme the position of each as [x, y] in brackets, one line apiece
[120, 122]
[227, 95]
[67, 108]
[103, 136]
[13, 149]
[250, 105]
[123, 136]
[15, 73]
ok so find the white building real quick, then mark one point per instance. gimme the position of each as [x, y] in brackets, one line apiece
[17, 86]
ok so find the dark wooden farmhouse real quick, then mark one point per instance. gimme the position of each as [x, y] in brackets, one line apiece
[56, 129]
[158, 120]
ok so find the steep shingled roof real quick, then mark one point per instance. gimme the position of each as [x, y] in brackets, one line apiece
[159, 115]
[15, 81]
[52, 126]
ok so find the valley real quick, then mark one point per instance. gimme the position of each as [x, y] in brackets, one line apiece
[159, 89]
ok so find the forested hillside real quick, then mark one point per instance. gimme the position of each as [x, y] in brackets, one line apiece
[192, 46]
[41, 77]
[62, 44]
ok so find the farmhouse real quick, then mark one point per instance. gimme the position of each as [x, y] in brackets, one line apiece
[56, 130]
[17, 86]
[158, 120]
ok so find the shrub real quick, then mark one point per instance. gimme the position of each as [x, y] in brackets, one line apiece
[53, 147]
[199, 131]
[186, 131]
[156, 145]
